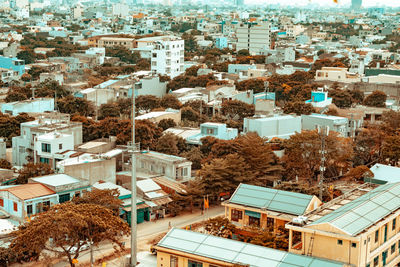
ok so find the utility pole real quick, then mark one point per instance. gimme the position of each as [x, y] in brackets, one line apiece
[134, 148]
[323, 131]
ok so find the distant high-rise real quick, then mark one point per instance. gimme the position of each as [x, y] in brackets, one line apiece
[356, 4]
[239, 2]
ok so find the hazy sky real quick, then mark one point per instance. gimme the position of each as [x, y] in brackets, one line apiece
[366, 3]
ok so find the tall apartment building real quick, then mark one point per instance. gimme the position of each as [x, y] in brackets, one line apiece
[167, 56]
[253, 37]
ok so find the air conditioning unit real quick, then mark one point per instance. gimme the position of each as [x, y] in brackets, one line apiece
[301, 220]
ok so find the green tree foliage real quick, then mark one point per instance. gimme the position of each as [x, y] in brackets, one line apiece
[108, 110]
[33, 170]
[27, 55]
[341, 98]
[257, 85]
[4, 164]
[368, 145]
[108, 198]
[376, 99]
[183, 81]
[302, 155]
[234, 108]
[124, 54]
[51, 88]
[243, 52]
[298, 107]
[189, 114]
[170, 101]
[195, 156]
[10, 126]
[165, 124]
[171, 144]
[72, 105]
[13, 96]
[35, 72]
[68, 226]
[146, 103]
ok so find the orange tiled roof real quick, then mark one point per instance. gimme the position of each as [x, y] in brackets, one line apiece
[29, 191]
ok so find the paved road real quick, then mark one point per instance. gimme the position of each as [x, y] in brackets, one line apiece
[146, 232]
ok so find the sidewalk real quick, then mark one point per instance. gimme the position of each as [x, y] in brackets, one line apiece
[145, 233]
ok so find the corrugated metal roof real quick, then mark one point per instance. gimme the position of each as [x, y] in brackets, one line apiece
[271, 199]
[386, 173]
[359, 214]
[231, 251]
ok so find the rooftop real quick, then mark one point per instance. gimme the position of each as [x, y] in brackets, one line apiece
[56, 179]
[386, 173]
[364, 211]
[270, 199]
[162, 156]
[108, 185]
[28, 191]
[232, 251]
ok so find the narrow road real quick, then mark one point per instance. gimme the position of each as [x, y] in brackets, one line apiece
[146, 232]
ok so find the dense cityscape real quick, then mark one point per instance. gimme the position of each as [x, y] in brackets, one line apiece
[246, 133]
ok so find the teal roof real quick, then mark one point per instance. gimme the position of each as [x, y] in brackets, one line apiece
[359, 214]
[271, 199]
[385, 173]
[236, 252]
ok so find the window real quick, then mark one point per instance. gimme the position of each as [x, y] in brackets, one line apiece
[194, 264]
[60, 146]
[1, 202]
[163, 170]
[44, 160]
[353, 245]
[77, 194]
[173, 261]
[340, 242]
[254, 221]
[29, 210]
[393, 249]
[376, 261]
[210, 131]
[46, 148]
[64, 198]
[394, 224]
[185, 172]
[15, 206]
[236, 215]
[376, 236]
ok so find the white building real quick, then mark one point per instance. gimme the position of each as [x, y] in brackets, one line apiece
[335, 123]
[120, 9]
[167, 56]
[77, 11]
[280, 126]
[253, 37]
[334, 74]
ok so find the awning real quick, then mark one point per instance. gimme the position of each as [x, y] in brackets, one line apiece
[161, 201]
[138, 207]
[252, 214]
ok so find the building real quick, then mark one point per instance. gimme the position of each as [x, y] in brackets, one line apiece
[23, 146]
[356, 4]
[359, 228]
[8, 75]
[153, 196]
[111, 41]
[90, 167]
[65, 186]
[214, 129]
[35, 105]
[335, 74]
[280, 126]
[191, 249]
[383, 174]
[221, 42]
[159, 164]
[263, 207]
[157, 116]
[335, 123]
[12, 64]
[319, 99]
[253, 37]
[167, 56]
[23, 201]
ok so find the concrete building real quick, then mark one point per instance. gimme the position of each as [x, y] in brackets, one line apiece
[280, 126]
[12, 64]
[221, 42]
[383, 78]
[319, 99]
[253, 37]
[90, 167]
[157, 116]
[334, 74]
[111, 41]
[65, 186]
[168, 56]
[266, 207]
[192, 249]
[159, 164]
[359, 228]
[335, 123]
[23, 146]
[36, 105]
[98, 96]
[214, 129]
[23, 201]
[383, 174]
[53, 76]
[3, 148]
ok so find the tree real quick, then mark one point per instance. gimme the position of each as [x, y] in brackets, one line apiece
[192, 71]
[376, 99]
[72, 105]
[187, 113]
[26, 77]
[109, 110]
[33, 170]
[243, 52]
[107, 198]
[147, 134]
[124, 54]
[341, 98]
[298, 107]
[27, 55]
[170, 101]
[51, 88]
[195, 156]
[302, 157]
[14, 96]
[165, 124]
[257, 85]
[145, 103]
[233, 108]
[4, 164]
[368, 145]
[35, 72]
[357, 96]
[69, 227]
[168, 144]
[391, 150]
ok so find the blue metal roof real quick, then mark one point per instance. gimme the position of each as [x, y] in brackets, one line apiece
[231, 251]
[271, 199]
[359, 214]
